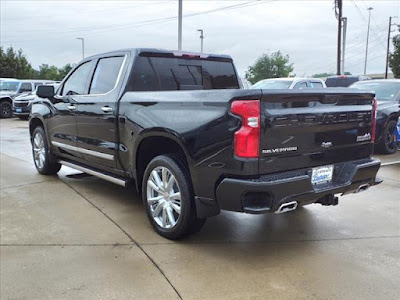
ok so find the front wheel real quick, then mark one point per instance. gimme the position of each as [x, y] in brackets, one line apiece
[5, 110]
[168, 198]
[42, 157]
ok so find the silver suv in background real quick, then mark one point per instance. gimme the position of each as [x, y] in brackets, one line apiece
[21, 105]
[290, 83]
[11, 88]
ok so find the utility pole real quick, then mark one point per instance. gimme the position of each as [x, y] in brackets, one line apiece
[83, 46]
[366, 48]
[344, 42]
[180, 26]
[201, 38]
[338, 12]
[388, 47]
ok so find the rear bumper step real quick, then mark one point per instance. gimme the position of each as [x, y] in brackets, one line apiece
[275, 192]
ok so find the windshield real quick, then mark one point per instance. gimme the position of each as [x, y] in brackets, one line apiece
[9, 86]
[273, 84]
[383, 90]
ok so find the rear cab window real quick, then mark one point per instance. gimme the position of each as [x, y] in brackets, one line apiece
[152, 73]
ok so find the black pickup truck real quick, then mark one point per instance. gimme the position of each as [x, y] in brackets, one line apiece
[179, 128]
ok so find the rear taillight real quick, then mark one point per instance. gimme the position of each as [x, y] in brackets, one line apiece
[247, 138]
[375, 104]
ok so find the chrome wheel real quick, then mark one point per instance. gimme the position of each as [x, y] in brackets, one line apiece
[164, 197]
[39, 151]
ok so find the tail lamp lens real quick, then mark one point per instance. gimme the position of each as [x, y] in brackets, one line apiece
[375, 105]
[247, 138]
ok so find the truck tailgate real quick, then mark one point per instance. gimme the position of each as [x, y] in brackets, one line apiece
[313, 128]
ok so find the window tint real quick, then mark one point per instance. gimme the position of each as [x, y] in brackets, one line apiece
[36, 84]
[384, 90]
[316, 85]
[166, 74]
[25, 87]
[300, 85]
[340, 81]
[76, 83]
[106, 75]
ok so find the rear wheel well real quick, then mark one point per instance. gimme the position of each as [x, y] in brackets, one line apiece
[33, 124]
[152, 147]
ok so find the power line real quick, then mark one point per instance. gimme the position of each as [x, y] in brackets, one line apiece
[151, 22]
[366, 21]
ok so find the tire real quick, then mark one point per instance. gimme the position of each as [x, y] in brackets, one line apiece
[171, 216]
[5, 110]
[388, 145]
[44, 161]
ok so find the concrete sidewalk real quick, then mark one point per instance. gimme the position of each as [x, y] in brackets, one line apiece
[79, 237]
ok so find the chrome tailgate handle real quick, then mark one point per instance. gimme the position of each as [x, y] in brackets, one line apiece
[107, 109]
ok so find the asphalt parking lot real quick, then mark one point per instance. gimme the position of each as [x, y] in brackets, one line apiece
[76, 236]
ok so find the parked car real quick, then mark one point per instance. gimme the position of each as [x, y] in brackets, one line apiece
[290, 83]
[388, 111]
[178, 127]
[22, 104]
[11, 88]
[344, 80]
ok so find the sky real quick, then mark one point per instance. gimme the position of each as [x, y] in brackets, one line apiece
[46, 31]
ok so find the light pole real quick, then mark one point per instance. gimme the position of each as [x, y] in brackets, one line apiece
[201, 38]
[366, 48]
[83, 46]
[180, 26]
[388, 47]
[344, 19]
[338, 13]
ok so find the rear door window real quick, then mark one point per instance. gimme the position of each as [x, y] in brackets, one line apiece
[300, 85]
[106, 74]
[316, 85]
[168, 74]
[25, 87]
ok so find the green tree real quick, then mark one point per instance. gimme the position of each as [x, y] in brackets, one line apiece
[269, 66]
[47, 72]
[14, 64]
[62, 72]
[394, 60]
[324, 75]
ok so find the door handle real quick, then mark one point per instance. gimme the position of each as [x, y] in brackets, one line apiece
[107, 109]
[71, 107]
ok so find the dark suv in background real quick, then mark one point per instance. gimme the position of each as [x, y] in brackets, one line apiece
[387, 93]
[344, 80]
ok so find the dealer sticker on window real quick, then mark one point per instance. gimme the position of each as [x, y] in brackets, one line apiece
[322, 174]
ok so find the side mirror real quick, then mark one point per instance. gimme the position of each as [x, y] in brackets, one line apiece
[45, 91]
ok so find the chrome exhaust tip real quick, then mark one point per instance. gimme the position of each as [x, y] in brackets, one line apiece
[285, 207]
[363, 187]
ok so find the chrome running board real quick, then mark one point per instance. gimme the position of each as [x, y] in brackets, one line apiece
[94, 173]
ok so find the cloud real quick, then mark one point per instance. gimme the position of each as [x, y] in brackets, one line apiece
[305, 30]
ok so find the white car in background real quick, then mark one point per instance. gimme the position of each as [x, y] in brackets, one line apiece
[290, 83]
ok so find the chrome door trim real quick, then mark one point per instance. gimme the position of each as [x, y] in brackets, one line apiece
[94, 173]
[84, 151]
